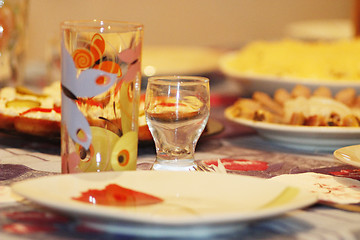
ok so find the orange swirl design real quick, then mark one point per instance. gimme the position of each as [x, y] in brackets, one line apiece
[97, 46]
[83, 58]
[102, 80]
[123, 157]
[110, 67]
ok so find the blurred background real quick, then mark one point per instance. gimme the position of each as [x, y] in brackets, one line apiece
[219, 24]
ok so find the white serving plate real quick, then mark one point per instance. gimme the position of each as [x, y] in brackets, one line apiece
[303, 137]
[179, 60]
[269, 84]
[321, 29]
[195, 203]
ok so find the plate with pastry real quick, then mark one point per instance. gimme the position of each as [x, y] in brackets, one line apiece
[27, 112]
[38, 114]
[268, 65]
[302, 118]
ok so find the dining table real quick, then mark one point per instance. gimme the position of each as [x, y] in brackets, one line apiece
[25, 157]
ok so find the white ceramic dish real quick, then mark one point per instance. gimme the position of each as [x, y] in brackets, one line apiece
[180, 60]
[303, 137]
[269, 84]
[321, 29]
[193, 201]
[349, 155]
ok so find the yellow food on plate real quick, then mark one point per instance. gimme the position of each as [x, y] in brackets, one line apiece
[319, 61]
[301, 107]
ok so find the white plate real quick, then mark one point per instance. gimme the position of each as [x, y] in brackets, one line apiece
[303, 137]
[214, 202]
[321, 29]
[183, 60]
[349, 155]
[269, 84]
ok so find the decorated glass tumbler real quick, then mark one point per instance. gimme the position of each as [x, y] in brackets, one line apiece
[177, 110]
[100, 95]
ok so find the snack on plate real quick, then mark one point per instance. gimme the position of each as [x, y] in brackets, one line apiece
[39, 122]
[163, 108]
[24, 111]
[318, 61]
[301, 107]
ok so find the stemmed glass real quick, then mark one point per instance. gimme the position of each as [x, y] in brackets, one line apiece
[177, 109]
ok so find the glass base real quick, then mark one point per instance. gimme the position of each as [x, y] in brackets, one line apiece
[173, 165]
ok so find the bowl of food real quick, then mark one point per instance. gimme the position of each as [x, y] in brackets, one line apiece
[268, 65]
[302, 118]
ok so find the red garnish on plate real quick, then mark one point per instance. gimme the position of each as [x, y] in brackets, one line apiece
[240, 164]
[165, 102]
[115, 195]
[39, 109]
[169, 104]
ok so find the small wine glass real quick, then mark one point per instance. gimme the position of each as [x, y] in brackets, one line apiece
[177, 109]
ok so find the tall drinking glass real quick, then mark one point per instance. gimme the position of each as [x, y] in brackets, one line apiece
[100, 95]
[177, 109]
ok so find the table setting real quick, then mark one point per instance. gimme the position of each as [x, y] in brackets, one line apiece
[101, 155]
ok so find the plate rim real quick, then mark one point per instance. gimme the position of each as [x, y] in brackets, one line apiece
[337, 156]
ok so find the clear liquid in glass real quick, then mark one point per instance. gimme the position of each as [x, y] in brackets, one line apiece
[176, 137]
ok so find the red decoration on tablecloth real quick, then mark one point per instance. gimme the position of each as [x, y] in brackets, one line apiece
[27, 228]
[32, 222]
[222, 100]
[115, 195]
[36, 217]
[240, 164]
[349, 173]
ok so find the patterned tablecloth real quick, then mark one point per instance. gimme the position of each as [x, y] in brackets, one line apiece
[23, 158]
